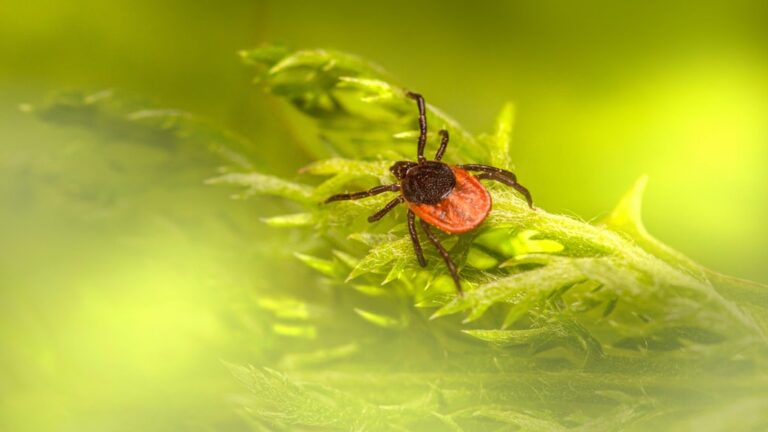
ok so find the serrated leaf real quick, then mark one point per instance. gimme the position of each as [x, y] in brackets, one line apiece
[278, 398]
[514, 288]
[371, 239]
[351, 167]
[383, 254]
[119, 115]
[456, 305]
[395, 273]
[263, 184]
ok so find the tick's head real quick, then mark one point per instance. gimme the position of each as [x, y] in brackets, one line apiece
[400, 168]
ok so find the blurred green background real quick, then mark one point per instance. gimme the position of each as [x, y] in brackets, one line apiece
[123, 277]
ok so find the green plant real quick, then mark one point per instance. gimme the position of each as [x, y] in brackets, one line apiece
[565, 325]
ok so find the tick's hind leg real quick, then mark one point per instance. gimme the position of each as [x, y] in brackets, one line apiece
[364, 194]
[517, 186]
[390, 205]
[501, 176]
[415, 239]
[444, 253]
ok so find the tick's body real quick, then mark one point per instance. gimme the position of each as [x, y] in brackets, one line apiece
[445, 196]
[459, 209]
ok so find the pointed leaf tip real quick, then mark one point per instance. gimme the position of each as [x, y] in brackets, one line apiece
[502, 139]
[326, 267]
[627, 216]
[378, 319]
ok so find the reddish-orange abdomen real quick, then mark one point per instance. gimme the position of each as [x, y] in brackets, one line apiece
[462, 210]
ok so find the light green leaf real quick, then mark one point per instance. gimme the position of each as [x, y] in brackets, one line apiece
[373, 90]
[262, 184]
[524, 243]
[524, 422]
[378, 169]
[509, 337]
[349, 260]
[515, 288]
[283, 400]
[296, 360]
[480, 260]
[284, 307]
[326, 267]
[379, 319]
[502, 138]
[290, 221]
[380, 256]
[372, 290]
[297, 331]
[118, 115]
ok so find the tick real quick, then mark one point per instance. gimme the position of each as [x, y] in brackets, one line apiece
[443, 196]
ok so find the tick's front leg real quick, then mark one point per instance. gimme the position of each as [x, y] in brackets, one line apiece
[364, 194]
[386, 209]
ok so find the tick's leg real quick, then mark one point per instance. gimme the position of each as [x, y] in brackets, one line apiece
[390, 205]
[509, 182]
[443, 144]
[422, 124]
[489, 169]
[446, 257]
[502, 176]
[415, 239]
[364, 194]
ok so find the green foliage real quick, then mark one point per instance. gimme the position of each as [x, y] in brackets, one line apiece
[565, 325]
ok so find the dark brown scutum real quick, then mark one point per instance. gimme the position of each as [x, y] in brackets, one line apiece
[428, 183]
